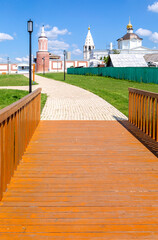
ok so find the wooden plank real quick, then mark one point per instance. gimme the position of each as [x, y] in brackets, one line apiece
[82, 180]
[88, 236]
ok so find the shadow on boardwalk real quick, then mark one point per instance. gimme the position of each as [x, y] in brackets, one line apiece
[146, 140]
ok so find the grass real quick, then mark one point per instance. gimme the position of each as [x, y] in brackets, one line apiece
[115, 91]
[9, 96]
[14, 80]
[43, 100]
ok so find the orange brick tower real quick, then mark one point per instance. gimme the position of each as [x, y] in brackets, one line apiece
[42, 63]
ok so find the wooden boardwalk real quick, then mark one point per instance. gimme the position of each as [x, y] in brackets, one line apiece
[82, 180]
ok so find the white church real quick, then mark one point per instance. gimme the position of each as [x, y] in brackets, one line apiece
[130, 43]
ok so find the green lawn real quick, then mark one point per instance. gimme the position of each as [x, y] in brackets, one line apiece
[14, 80]
[8, 96]
[114, 91]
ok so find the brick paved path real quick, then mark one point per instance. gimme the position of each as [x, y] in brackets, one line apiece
[67, 102]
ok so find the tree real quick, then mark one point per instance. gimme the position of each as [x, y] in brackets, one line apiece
[106, 59]
[115, 51]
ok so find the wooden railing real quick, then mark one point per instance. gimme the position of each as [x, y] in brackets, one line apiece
[17, 125]
[143, 111]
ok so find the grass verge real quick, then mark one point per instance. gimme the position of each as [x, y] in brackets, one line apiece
[9, 96]
[114, 91]
[14, 80]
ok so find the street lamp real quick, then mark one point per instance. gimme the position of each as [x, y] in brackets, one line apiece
[8, 64]
[30, 30]
[43, 65]
[64, 63]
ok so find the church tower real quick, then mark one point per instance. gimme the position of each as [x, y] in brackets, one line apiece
[42, 54]
[130, 40]
[89, 46]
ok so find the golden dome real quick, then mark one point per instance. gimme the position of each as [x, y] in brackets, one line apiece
[129, 26]
[89, 28]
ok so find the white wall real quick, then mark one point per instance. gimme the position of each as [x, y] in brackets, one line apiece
[58, 66]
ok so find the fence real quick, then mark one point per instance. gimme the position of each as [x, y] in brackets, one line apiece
[17, 125]
[143, 111]
[138, 74]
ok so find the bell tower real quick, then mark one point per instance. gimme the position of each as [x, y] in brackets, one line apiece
[42, 54]
[89, 46]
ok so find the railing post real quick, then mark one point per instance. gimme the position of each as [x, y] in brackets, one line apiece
[17, 125]
[143, 111]
[1, 164]
[157, 119]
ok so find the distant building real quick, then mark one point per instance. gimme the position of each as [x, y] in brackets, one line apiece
[53, 56]
[50, 62]
[126, 60]
[130, 43]
[10, 68]
[151, 59]
[23, 68]
[89, 46]
[68, 55]
[42, 61]
[130, 40]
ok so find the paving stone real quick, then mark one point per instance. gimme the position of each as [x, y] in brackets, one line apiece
[68, 102]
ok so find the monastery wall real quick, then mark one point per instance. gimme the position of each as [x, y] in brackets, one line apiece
[58, 65]
[8, 68]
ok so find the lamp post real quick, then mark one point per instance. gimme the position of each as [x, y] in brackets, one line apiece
[30, 30]
[43, 65]
[8, 64]
[64, 63]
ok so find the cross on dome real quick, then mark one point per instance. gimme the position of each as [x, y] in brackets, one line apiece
[129, 26]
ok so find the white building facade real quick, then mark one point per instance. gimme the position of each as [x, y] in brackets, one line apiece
[130, 40]
[130, 43]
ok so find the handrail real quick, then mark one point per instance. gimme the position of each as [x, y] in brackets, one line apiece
[143, 111]
[18, 122]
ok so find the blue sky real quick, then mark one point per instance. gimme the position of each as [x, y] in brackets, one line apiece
[67, 24]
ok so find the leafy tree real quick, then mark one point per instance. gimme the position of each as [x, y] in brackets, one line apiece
[106, 59]
[115, 51]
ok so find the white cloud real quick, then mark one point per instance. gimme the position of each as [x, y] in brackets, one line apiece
[74, 45]
[47, 26]
[153, 7]
[147, 33]
[5, 36]
[22, 59]
[154, 37]
[54, 32]
[143, 32]
[57, 45]
[77, 52]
